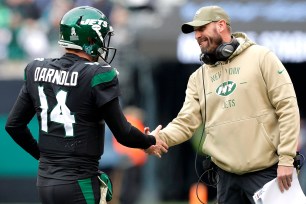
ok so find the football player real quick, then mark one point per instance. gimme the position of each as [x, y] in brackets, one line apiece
[73, 96]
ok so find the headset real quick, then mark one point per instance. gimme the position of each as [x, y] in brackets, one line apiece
[222, 53]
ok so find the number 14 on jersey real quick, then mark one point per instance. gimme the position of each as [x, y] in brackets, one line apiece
[60, 113]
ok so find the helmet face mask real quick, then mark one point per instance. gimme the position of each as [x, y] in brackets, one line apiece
[88, 29]
[106, 52]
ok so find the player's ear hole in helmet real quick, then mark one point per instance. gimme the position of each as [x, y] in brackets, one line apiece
[88, 29]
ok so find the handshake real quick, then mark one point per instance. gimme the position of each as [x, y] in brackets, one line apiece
[160, 147]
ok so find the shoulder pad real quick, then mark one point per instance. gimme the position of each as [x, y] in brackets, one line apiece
[103, 76]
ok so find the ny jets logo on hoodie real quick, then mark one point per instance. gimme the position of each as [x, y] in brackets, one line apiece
[226, 88]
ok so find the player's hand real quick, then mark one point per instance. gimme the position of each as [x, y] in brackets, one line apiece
[160, 147]
[284, 177]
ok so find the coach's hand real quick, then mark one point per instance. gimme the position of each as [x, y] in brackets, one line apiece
[160, 147]
[284, 177]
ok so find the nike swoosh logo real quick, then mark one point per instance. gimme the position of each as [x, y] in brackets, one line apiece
[280, 71]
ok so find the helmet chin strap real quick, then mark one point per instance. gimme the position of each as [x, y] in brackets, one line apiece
[102, 53]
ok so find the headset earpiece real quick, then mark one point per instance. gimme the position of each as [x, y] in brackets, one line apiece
[208, 58]
[222, 53]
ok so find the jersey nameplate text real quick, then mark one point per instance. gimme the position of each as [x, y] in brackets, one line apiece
[59, 77]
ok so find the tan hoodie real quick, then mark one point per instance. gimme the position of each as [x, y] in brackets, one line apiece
[249, 108]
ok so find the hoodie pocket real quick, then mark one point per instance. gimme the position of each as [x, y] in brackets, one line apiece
[240, 146]
[266, 136]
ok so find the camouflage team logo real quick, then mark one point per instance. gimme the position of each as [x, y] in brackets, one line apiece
[226, 88]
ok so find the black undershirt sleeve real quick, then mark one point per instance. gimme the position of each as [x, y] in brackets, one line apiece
[124, 132]
[16, 125]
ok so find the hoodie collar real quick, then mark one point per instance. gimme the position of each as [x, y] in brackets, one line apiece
[244, 43]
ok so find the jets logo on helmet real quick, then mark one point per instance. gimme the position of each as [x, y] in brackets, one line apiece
[88, 29]
[94, 21]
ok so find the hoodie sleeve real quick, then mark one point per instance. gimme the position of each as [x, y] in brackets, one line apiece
[188, 119]
[282, 96]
